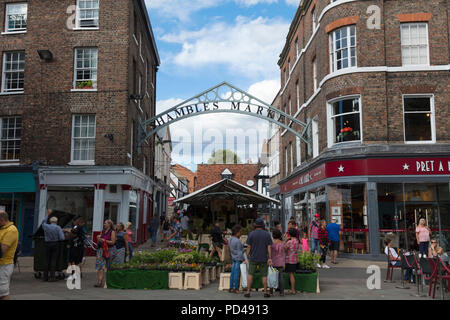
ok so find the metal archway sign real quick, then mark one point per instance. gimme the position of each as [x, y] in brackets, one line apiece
[235, 101]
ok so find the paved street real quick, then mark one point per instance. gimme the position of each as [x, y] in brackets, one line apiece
[345, 281]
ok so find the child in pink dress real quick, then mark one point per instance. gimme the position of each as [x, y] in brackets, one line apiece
[305, 247]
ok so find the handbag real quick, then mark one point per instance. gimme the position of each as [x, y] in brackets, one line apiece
[105, 249]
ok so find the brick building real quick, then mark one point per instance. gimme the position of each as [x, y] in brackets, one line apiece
[244, 174]
[371, 78]
[77, 76]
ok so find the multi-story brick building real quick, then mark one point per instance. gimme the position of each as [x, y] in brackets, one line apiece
[77, 76]
[372, 80]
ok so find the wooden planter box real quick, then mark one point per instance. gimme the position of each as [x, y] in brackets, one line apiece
[306, 282]
[224, 283]
[176, 280]
[138, 279]
[192, 280]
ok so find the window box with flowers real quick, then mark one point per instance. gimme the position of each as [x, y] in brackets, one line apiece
[345, 121]
[85, 85]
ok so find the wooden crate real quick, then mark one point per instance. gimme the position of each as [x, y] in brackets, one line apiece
[176, 280]
[192, 280]
[224, 283]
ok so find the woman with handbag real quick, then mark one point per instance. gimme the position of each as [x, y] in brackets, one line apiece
[106, 251]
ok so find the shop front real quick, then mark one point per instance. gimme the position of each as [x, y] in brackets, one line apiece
[98, 194]
[374, 199]
[18, 199]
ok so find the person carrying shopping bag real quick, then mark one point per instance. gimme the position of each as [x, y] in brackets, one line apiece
[278, 259]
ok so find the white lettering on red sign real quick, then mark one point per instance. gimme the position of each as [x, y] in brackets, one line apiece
[425, 166]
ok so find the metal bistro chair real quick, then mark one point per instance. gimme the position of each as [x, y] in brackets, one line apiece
[390, 268]
[405, 264]
[18, 254]
[438, 263]
[424, 267]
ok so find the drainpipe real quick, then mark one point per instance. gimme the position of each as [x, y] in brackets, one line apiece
[37, 194]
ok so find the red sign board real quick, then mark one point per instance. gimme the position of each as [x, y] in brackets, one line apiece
[171, 200]
[371, 167]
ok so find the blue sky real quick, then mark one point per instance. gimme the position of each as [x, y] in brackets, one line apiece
[204, 42]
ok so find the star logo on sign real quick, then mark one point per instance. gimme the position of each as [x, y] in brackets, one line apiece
[405, 166]
[341, 168]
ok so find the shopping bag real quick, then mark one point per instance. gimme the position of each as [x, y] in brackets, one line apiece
[272, 278]
[243, 275]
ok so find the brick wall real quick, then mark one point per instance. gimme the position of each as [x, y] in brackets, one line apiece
[210, 173]
[381, 92]
[48, 104]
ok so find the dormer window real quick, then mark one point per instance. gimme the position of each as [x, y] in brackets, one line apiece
[227, 174]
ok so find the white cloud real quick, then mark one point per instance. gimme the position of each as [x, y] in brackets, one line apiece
[248, 47]
[265, 90]
[249, 3]
[180, 9]
[183, 9]
[293, 2]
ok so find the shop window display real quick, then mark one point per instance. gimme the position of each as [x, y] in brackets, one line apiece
[77, 201]
[348, 205]
[401, 206]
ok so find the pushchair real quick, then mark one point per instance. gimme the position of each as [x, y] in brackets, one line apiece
[64, 219]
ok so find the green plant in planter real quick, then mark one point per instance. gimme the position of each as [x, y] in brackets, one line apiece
[85, 84]
[308, 261]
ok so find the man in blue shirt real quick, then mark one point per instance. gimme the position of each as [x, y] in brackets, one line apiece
[333, 230]
[52, 235]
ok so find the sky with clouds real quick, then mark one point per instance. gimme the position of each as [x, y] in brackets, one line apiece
[204, 42]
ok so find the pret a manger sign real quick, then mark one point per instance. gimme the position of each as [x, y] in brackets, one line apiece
[370, 167]
[261, 111]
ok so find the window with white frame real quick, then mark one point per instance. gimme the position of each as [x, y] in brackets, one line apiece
[87, 13]
[299, 151]
[289, 66]
[315, 137]
[345, 120]
[314, 20]
[286, 161]
[86, 60]
[290, 106]
[419, 118]
[10, 136]
[296, 48]
[83, 138]
[297, 89]
[343, 48]
[414, 43]
[13, 71]
[315, 74]
[285, 76]
[292, 156]
[16, 17]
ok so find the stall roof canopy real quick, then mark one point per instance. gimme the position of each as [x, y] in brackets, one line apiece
[226, 189]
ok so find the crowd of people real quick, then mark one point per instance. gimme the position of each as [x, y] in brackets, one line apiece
[276, 250]
[428, 248]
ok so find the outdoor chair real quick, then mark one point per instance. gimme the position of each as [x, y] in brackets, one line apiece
[404, 265]
[443, 275]
[390, 269]
[18, 254]
[426, 268]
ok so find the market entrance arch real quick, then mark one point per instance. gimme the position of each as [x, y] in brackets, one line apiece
[222, 98]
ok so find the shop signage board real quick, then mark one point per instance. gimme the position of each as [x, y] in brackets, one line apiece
[370, 167]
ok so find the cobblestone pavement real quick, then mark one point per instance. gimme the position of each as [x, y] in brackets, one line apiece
[344, 281]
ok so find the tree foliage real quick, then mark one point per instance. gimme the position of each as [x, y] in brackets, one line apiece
[224, 157]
